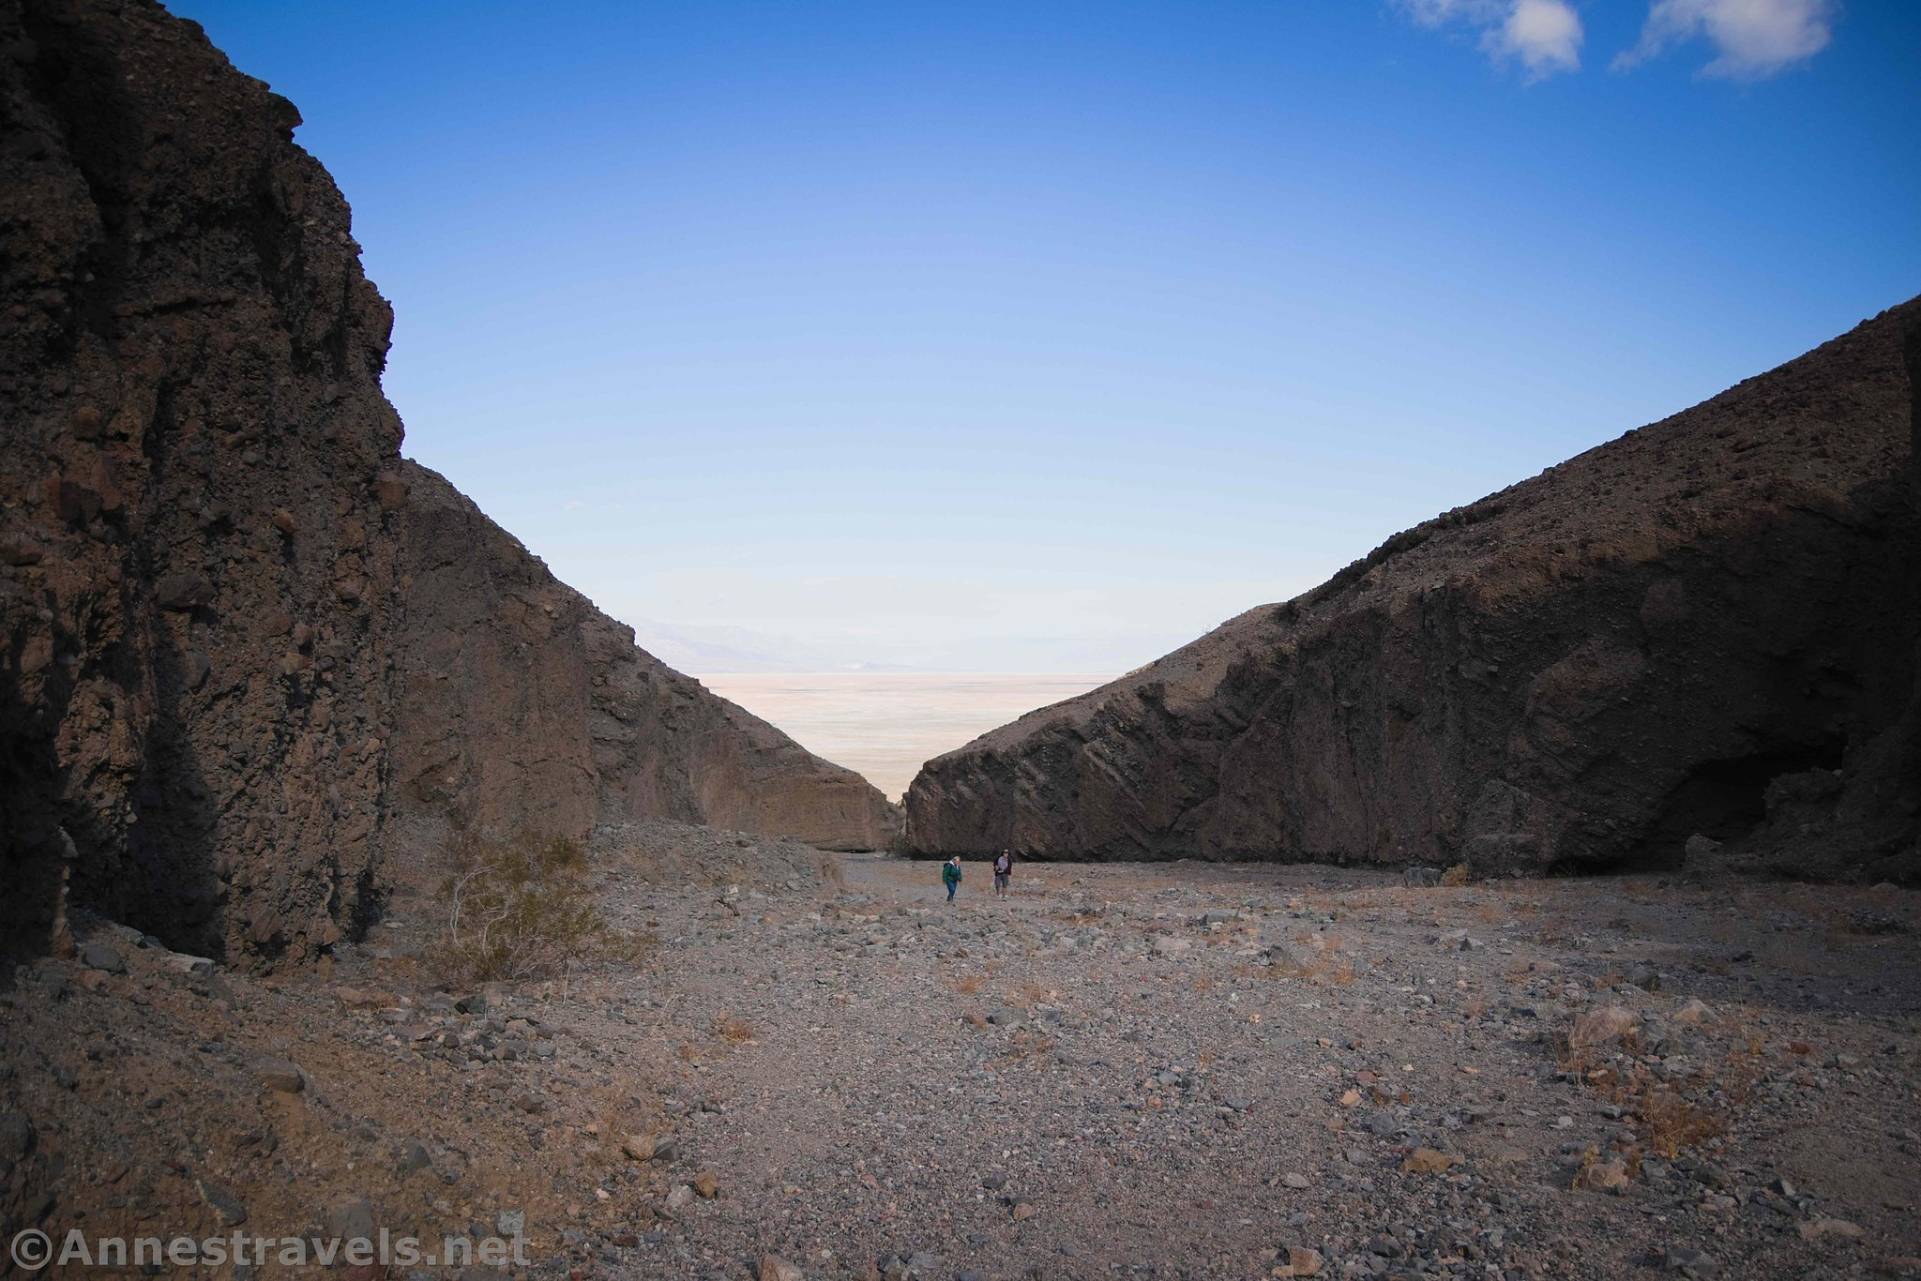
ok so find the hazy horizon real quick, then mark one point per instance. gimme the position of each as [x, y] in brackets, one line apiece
[885, 725]
[1046, 338]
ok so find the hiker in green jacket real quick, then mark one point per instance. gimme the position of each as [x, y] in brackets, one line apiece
[950, 875]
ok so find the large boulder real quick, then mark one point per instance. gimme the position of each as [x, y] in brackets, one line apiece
[1706, 627]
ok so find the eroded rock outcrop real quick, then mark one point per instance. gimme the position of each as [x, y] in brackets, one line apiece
[205, 626]
[523, 705]
[1707, 627]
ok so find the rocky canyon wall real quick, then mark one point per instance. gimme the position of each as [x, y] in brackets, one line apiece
[520, 703]
[225, 601]
[1706, 627]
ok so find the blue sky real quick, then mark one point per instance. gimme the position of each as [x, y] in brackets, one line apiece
[1030, 337]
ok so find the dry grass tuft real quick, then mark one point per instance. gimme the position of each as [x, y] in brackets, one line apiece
[1672, 1116]
[733, 1029]
[1321, 958]
[1671, 1123]
[1027, 1044]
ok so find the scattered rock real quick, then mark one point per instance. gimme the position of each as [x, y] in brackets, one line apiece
[774, 1268]
[921, 1265]
[103, 957]
[1428, 1161]
[231, 1211]
[1602, 1176]
[1601, 1026]
[1815, 1229]
[1302, 1261]
[1693, 1013]
[412, 1158]
[183, 590]
[1691, 1261]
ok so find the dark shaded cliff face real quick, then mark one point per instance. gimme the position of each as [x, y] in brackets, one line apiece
[195, 609]
[1707, 626]
[206, 639]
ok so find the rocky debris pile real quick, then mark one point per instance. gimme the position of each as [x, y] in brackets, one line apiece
[660, 851]
[250, 659]
[1697, 640]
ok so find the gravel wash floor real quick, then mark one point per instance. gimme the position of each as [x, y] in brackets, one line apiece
[818, 1068]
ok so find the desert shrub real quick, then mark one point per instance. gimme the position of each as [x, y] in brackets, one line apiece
[1602, 1050]
[1672, 1123]
[519, 910]
[1456, 875]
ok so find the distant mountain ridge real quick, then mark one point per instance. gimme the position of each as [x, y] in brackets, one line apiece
[700, 649]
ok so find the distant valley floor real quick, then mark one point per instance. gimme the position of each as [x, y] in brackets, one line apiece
[884, 725]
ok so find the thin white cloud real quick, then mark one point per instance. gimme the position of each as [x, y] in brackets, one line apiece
[1438, 13]
[1544, 36]
[1751, 38]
